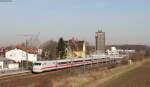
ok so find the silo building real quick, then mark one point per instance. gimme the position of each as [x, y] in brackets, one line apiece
[100, 42]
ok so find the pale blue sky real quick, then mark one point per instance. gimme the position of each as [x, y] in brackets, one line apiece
[124, 21]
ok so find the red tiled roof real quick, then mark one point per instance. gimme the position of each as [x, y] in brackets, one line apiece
[27, 49]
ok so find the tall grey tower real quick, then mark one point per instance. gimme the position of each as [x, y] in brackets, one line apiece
[100, 42]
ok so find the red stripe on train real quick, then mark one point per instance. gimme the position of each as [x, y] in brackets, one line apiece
[63, 65]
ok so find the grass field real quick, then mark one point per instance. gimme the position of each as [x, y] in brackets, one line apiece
[138, 77]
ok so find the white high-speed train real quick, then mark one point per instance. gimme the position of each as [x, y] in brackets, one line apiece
[41, 66]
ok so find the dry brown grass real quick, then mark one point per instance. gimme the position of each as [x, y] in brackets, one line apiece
[80, 80]
[138, 77]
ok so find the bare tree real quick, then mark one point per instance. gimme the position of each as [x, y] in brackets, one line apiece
[50, 49]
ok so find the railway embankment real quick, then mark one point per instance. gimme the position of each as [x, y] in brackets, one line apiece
[92, 76]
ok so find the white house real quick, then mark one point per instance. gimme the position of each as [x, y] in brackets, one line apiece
[21, 53]
[113, 51]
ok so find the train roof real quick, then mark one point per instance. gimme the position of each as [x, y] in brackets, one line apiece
[69, 59]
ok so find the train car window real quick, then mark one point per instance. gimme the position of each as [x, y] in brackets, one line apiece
[62, 63]
[37, 64]
[78, 61]
[87, 60]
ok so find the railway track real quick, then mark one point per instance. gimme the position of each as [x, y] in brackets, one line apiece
[14, 75]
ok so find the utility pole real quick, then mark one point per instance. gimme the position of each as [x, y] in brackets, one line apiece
[27, 38]
[26, 55]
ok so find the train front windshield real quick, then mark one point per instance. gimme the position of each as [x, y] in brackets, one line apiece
[37, 64]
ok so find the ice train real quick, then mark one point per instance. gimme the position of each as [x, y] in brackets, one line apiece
[41, 66]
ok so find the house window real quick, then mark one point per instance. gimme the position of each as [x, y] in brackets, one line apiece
[14, 54]
[10, 54]
[24, 55]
